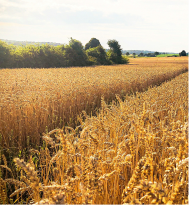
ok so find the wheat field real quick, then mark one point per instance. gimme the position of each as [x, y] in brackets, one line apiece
[134, 151]
[34, 101]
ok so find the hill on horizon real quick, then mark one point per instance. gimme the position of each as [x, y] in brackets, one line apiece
[19, 43]
[137, 52]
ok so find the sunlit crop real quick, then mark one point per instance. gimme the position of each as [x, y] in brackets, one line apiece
[33, 101]
[132, 152]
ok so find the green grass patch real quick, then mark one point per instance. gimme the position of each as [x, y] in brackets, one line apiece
[168, 55]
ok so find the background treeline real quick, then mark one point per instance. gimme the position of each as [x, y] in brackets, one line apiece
[156, 54]
[48, 56]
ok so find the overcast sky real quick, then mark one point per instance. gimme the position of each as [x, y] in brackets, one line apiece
[157, 25]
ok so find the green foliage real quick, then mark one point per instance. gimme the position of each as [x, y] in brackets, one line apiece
[49, 56]
[167, 55]
[156, 53]
[183, 53]
[125, 59]
[127, 53]
[97, 56]
[141, 55]
[112, 57]
[4, 55]
[75, 53]
[34, 56]
[114, 54]
[150, 55]
[92, 43]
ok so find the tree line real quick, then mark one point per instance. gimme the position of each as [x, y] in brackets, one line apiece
[73, 54]
[182, 53]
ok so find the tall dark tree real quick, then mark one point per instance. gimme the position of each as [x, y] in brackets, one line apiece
[183, 53]
[156, 53]
[141, 54]
[92, 43]
[115, 53]
[75, 53]
[127, 53]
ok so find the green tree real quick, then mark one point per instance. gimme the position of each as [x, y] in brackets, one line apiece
[127, 53]
[5, 56]
[92, 43]
[183, 53]
[151, 55]
[156, 53]
[75, 54]
[134, 55]
[114, 54]
[97, 56]
[141, 54]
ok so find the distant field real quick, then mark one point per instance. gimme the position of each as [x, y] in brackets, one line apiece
[167, 55]
[33, 101]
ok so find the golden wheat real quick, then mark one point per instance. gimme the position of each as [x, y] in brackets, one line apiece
[34, 101]
[134, 151]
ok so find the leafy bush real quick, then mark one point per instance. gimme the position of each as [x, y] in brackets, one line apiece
[98, 54]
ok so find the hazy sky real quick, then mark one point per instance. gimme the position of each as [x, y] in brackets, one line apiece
[157, 25]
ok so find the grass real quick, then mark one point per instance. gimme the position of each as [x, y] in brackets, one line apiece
[168, 55]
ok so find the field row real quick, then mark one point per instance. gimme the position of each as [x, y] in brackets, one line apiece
[133, 152]
[33, 101]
